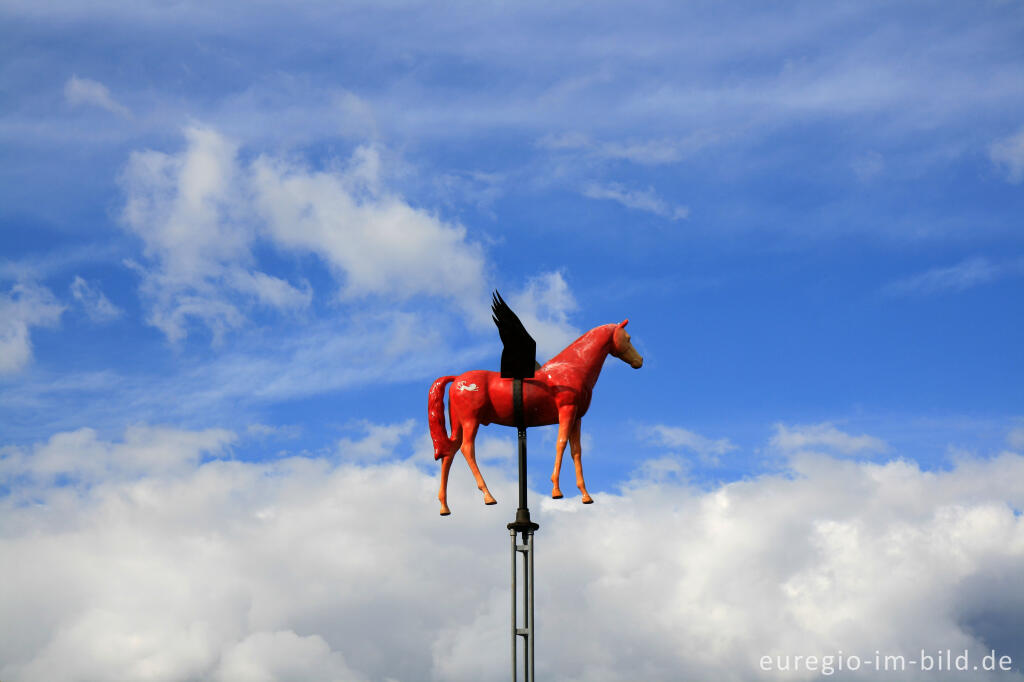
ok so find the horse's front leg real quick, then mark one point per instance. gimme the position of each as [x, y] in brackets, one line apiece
[577, 459]
[566, 417]
[469, 451]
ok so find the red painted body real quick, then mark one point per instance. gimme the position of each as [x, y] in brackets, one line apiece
[559, 393]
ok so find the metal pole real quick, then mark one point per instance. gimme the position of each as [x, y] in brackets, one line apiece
[522, 525]
[530, 621]
[518, 362]
[527, 635]
[524, 547]
[515, 643]
[522, 469]
[517, 406]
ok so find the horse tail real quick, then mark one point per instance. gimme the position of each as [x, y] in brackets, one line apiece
[443, 445]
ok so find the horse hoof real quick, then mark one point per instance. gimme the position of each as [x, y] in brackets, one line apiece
[445, 512]
[556, 496]
[588, 500]
[491, 501]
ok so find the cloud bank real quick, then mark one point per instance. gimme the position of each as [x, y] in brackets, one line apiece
[159, 557]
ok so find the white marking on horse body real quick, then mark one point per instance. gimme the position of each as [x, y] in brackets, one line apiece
[463, 386]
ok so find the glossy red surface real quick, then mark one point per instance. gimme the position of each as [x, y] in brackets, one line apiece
[559, 393]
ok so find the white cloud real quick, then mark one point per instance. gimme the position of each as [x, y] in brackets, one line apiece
[283, 656]
[1015, 439]
[95, 303]
[200, 214]
[83, 91]
[658, 469]
[825, 435]
[375, 241]
[189, 211]
[648, 152]
[641, 200]
[495, 445]
[266, 431]
[1008, 154]
[311, 569]
[82, 457]
[26, 306]
[544, 306]
[380, 440]
[960, 277]
[270, 291]
[229, 568]
[676, 437]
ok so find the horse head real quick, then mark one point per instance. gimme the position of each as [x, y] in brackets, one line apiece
[623, 349]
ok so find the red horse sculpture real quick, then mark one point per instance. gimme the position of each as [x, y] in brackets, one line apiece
[559, 393]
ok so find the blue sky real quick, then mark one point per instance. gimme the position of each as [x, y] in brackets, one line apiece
[258, 234]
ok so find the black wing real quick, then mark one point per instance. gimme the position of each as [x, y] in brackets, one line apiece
[519, 356]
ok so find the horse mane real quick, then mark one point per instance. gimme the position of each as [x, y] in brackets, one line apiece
[598, 336]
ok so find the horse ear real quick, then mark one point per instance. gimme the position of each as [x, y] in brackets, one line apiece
[624, 322]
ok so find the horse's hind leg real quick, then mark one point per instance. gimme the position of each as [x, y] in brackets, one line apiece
[577, 455]
[446, 464]
[469, 451]
[566, 420]
[566, 416]
[556, 492]
[442, 495]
